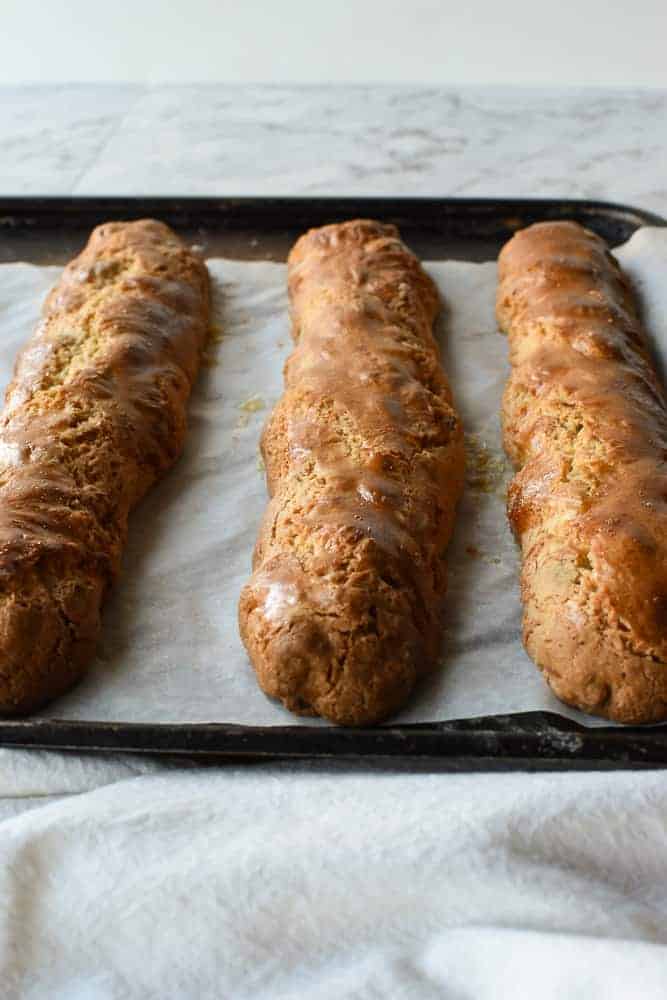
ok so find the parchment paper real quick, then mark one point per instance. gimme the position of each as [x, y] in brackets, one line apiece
[170, 649]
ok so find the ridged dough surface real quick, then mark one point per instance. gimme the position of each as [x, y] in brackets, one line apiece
[585, 422]
[364, 460]
[94, 415]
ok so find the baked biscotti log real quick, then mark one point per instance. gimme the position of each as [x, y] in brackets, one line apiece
[94, 415]
[364, 461]
[585, 422]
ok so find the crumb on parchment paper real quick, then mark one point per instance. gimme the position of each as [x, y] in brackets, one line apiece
[249, 406]
[485, 471]
[216, 336]
[252, 404]
[486, 474]
[476, 553]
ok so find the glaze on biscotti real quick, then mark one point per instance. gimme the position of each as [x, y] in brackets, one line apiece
[364, 460]
[585, 422]
[96, 413]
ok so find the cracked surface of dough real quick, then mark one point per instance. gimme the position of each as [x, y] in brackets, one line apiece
[94, 415]
[585, 422]
[364, 462]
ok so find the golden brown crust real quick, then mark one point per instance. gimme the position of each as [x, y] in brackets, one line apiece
[94, 415]
[364, 461]
[585, 421]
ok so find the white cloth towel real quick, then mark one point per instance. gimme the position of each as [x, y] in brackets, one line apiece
[126, 878]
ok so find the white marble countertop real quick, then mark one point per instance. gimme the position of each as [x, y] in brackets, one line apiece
[224, 139]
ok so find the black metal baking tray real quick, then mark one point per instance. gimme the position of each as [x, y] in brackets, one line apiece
[51, 230]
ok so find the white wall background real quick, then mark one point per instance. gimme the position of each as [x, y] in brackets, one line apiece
[561, 42]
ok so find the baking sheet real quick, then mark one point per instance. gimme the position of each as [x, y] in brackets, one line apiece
[170, 650]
